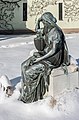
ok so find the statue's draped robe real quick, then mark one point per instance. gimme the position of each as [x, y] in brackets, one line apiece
[35, 77]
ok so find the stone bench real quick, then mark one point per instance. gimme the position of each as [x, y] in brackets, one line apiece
[60, 81]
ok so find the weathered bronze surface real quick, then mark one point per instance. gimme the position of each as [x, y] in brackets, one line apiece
[52, 53]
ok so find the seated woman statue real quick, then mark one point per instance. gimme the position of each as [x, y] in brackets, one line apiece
[52, 53]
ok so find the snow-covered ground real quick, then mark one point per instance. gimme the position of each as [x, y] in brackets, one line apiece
[14, 49]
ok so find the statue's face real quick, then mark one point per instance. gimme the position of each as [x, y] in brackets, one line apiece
[44, 22]
[48, 24]
[48, 19]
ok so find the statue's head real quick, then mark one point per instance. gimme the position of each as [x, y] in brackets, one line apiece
[49, 18]
[46, 18]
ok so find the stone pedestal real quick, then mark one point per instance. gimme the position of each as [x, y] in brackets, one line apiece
[60, 81]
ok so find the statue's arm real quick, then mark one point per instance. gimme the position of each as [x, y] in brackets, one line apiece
[50, 53]
[54, 40]
[37, 27]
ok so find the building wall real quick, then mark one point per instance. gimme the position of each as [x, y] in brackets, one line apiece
[18, 22]
[70, 12]
[36, 8]
[11, 16]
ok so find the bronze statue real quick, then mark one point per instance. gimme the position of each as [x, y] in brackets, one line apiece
[52, 53]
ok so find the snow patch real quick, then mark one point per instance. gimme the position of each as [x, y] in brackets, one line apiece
[67, 103]
[4, 80]
[30, 42]
[13, 45]
[73, 61]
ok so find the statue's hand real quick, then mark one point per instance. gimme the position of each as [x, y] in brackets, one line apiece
[32, 61]
[40, 32]
[37, 60]
[36, 55]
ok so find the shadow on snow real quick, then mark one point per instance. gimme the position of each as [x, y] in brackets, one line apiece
[77, 61]
[15, 81]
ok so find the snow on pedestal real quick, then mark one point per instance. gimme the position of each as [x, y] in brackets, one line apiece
[60, 81]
